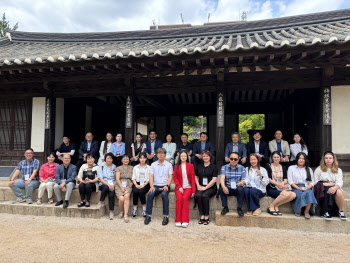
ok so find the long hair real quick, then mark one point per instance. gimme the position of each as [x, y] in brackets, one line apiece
[323, 165]
[106, 142]
[179, 159]
[256, 156]
[273, 153]
[141, 142]
[302, 142]
[308, 174]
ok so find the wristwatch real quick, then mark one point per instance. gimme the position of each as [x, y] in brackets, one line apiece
[168, 186]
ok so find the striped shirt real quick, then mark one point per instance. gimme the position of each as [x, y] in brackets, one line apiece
[28, 168]
[233, 175]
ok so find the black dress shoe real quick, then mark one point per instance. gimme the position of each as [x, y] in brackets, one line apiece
[65, 204]
[224, 210]
[147, 220]
[240, 212]
[165, 221]
[59, 203]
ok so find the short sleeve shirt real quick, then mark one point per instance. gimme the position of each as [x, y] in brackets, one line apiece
[28, 168]
[161, 173]
[210, 171]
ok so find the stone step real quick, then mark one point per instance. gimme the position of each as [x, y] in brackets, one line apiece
[290, 222]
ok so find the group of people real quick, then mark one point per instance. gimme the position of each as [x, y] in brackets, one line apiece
[250, 174]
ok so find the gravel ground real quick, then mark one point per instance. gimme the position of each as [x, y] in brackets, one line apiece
[54, 239]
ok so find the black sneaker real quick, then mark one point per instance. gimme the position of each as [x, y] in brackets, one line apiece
[147, 220]
[65, 204]
[342, 215]
[326, 216]
[240, 212]
[59, 203]
[224, 210]
[165, 221]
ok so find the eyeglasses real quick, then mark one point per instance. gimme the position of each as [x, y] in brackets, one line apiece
[234, 159]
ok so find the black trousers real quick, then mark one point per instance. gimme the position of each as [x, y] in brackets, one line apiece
[154, 159]
[86, 190]
[328, 204]
[117, 160]
[202, 199]
[104, 192]
[139, 193]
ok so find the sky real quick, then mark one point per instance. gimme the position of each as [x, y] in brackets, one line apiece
[121, 15]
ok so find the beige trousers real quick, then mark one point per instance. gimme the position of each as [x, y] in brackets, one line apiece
[46, 186]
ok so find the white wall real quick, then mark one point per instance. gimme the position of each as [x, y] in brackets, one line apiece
[340, 119]
[38, 124]
[59, 125]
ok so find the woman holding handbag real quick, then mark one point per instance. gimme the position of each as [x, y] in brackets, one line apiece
[278, 187]
[185, 188]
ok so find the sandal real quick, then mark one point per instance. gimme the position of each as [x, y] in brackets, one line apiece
[81, 204]
[297, 214]
[273, 213]
[206, 222]
[278, 213]
[38, 202]
[126, 219]
[87, 204]
[307, 216]
[201, 221]
[120, 216]
[50, 202]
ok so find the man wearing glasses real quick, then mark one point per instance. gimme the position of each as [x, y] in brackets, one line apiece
[30, 178]
[232, 182]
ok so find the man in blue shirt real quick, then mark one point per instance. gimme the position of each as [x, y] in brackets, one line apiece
[232, 182]
[30, 178]
[184, 145]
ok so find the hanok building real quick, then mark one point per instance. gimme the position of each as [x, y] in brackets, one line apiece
[295, 70]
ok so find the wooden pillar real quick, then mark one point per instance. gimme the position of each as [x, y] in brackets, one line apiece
[129, 117]
[326, 110]
[220, 120]
[50, 119]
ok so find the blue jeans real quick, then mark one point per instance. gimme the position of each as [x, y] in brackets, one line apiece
[16, 188]
[165, 198]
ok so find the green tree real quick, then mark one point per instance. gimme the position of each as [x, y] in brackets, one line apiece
[5, 26]
[250, 122]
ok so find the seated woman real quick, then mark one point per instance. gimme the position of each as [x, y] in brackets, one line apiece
[277, 188]
[140, 187]
[256, 181]
[300, 177]
[118, 149]
[105, 147]
[124, 187]
[170, 148]
[206, 177]
[47, 178]
[137, 148]
[297, 147]
[88, 181]
[332, 178]
[106, 175]
[185, 188]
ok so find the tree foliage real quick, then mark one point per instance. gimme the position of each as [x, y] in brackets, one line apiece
[250, 122]
[5, 26]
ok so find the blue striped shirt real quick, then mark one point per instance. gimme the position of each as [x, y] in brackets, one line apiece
[233, 175]
[28, 168]
[118, 149]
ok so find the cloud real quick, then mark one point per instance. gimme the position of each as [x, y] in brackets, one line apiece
[121, 15]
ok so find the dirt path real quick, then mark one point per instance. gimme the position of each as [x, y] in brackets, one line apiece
[52, 239]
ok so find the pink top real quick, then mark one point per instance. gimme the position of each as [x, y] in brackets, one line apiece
[47, 171]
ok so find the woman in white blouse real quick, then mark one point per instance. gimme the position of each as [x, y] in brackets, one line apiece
[300, 177]
[170, 148]
[104, 148]
[140, 187]
[297, 147]
[332, 178]
[255, 181]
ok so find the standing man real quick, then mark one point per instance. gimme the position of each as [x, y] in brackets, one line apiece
[151, 147]
[236, 146]
[30, 178]
[259, 147]
[281, 146]
[65, 180]
[160, 176]
[184, 145]
[232, 182]
[199, 147]
[87, 146]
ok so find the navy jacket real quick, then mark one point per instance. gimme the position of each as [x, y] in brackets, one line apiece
[71, 174]
[263, 149]
[157, 144]
[241, 150]
[197, 148]
[93, 149]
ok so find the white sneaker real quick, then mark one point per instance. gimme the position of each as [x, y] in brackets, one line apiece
[134, 213]
[99, 205]
[144, 213]
[178, 224]
[184, 225]
[111, 215]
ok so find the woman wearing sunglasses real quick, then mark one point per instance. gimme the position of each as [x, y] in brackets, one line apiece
[256, 182]
[331, 177]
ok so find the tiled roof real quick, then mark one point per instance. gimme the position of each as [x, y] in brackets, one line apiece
[30, 47]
